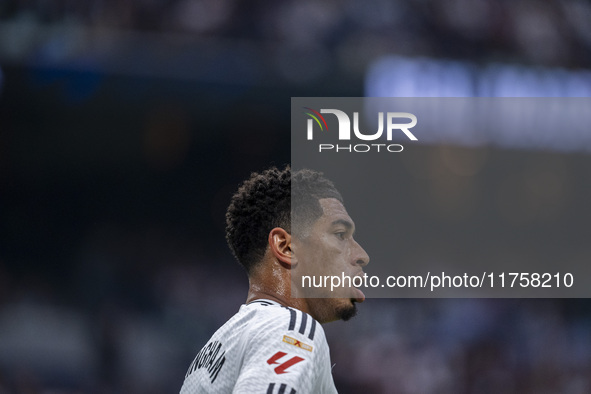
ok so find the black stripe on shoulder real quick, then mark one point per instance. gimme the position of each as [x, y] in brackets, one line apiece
[312, 330]
[282, 389]
[304, 322]
[292, 318]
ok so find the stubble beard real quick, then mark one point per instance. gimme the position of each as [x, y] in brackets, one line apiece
[347, 312]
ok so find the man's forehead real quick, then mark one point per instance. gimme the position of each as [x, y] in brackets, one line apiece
[333, 210]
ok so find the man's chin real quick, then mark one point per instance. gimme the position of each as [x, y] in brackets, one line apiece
[347, 311]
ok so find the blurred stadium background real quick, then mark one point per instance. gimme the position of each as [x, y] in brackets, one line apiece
[126, 125]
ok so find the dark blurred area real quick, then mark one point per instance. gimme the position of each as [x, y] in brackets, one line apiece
[125, 127]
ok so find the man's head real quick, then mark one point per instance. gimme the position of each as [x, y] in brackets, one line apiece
[322, 258]
[291, 222]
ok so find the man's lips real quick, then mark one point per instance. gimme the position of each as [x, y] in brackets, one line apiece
[359, 296]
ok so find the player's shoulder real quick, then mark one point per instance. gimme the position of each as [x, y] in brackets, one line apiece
[271, 318]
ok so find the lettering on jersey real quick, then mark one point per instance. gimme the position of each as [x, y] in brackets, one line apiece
[295, 342]
[210, 359]
[281, 368]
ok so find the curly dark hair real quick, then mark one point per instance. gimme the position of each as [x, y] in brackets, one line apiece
[264, 202]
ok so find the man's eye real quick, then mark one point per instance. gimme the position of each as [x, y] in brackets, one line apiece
[341, 235]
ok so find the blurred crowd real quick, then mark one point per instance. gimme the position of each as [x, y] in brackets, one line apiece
[466, 346]
[129, 317]
[554, 32]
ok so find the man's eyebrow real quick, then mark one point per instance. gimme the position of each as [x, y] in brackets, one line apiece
[344, 222]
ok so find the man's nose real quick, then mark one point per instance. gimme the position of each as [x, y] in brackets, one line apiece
[361, 256]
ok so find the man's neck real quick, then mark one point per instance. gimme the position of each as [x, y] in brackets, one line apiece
[259, 293]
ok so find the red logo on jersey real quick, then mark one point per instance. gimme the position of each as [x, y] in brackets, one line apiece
[281, 368]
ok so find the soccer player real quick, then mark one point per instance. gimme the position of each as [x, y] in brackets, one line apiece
[282, 225]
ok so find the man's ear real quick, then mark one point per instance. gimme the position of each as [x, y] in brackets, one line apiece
[280, 245]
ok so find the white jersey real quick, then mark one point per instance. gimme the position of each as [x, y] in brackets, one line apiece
[264, 348]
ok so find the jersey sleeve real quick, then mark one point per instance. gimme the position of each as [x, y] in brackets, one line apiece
[287, 355]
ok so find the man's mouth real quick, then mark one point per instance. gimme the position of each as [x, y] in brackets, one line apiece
[359, 296]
